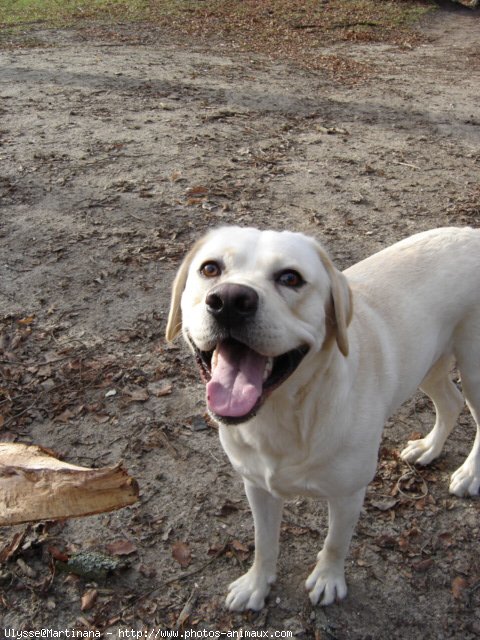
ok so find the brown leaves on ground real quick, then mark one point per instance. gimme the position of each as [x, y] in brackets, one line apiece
[42, 377]
[297, 31]
[231, 549]
[37, 555]
[121, 548]
[294, 32]
[182, 554]
[402, 495]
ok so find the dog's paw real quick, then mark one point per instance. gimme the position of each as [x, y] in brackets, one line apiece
[326, 582]
[421, 451]
[249, 591]
[466, 480]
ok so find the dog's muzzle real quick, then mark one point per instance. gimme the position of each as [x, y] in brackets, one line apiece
[238, 378]
[232, 304]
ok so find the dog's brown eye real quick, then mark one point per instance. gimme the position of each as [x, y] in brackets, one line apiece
[290, 278]
[210, 270]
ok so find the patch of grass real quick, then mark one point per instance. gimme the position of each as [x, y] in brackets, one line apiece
[15, 13]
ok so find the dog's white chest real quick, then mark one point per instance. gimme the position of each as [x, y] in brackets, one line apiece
[285, 471]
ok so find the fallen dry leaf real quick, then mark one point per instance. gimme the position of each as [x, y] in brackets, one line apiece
[101, 418]
[164, 391]
[65, 416]
[459, 585]
[88, 599]
[422, 565]
[121, 548]
[175, 176]
[193, 201]
[12, 547]
[239, 546]
[240, 550]
[45, 371]
[197, 191]
[136, 395]
[295, 530]
[57, 554]
[35, 485]
[182, 554]
[384, 505]
[415, 435]
[446, 540]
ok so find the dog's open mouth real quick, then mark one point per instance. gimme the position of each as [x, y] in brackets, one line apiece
[238, 379]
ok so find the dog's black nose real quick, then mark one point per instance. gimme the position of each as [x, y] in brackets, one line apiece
[232, 304]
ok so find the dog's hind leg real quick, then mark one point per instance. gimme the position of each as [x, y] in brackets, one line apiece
[466, 480]
[448, 402]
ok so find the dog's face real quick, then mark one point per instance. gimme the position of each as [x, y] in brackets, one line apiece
[251, 305]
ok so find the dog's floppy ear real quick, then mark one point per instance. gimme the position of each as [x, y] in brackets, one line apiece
[342, 301]
[174, 323]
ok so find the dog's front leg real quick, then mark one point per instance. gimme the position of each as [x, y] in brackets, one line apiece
[328, 578]
[251, 589]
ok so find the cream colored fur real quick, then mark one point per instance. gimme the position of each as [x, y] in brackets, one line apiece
[394, 322]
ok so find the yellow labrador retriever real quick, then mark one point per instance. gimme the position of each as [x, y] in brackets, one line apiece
[303, 364]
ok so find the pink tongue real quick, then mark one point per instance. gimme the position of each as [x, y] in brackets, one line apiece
[237, 379]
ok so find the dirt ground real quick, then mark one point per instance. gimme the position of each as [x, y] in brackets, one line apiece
[120, 146]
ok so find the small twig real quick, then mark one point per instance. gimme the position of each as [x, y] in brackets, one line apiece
[405, 164]
[186, 612]
[413, 472]
[168, 445]
[11, 419]
[132, 215]
[399, 419]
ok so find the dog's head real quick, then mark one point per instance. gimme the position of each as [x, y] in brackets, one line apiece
[251, 304]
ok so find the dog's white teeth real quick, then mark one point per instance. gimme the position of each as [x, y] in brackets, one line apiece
[214, 359]
[268, 369]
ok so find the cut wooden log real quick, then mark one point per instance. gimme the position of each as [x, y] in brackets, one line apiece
[35, 485]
